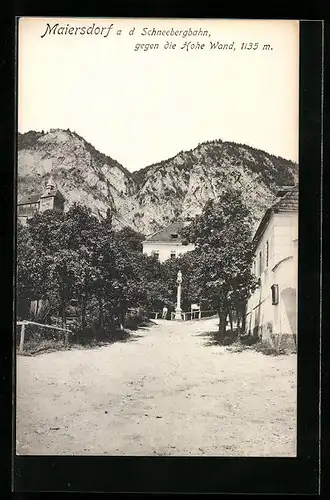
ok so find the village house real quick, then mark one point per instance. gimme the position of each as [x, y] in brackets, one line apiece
[50, 199]
[167, 243]
[272, 309]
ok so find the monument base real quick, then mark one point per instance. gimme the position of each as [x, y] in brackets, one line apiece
[178, 315]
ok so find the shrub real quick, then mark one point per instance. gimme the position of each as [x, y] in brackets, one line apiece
[38, 338]
[135, 319]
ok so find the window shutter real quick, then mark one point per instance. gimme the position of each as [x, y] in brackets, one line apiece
[274, 289]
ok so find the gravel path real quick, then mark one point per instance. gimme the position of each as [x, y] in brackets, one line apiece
[166, 392]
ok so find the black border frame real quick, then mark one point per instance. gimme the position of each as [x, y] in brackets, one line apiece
[217, 475]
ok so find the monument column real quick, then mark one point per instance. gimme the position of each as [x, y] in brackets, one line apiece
[178, 310]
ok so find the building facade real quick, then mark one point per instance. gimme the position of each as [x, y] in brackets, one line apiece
[272, 308]
[50, 199]
[167, 243]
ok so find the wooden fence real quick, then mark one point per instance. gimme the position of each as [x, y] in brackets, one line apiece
[185, 316]
[52, 327]
[194, 315]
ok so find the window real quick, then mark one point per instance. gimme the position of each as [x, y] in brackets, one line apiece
[173, 254]
[266, 254]
[174, 236]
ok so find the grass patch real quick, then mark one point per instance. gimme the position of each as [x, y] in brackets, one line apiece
[269, 350]
[262, 347]
[35, 345]
[234, 342]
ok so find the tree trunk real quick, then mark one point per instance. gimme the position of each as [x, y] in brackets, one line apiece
[100, 313]
[230, 319]
[63, 314]
[83, 315]
[240, 319]
[121, 319]
[238, 322]
[83, 309]
[222, 322]
[100, 318]
[95, 332]
[243, 319]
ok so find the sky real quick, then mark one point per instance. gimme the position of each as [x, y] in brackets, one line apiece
[144, 106]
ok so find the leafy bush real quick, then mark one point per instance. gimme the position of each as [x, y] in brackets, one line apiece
[134, 320]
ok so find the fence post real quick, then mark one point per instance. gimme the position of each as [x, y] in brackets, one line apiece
[21, 344]
[66, 338]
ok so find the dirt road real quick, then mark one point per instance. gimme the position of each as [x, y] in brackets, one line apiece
[164, 393]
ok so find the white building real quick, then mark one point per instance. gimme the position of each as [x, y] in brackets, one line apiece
[167, 243]
[272, 309]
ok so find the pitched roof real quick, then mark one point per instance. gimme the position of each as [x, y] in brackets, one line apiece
[164, 235]
[35, 198]
[53, 193]
[32, 198]
[289, 202]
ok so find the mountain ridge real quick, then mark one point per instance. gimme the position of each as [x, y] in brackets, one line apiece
[138, 174]
[156, 195]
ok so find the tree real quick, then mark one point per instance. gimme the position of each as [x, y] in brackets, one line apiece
[57, 261]
[151, 289]
[75, 256]
[222, 235]
[130, 237]
[83, 242]
[30, 275]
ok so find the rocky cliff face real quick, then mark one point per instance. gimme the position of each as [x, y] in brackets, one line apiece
[81, 173]
[156, 195]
